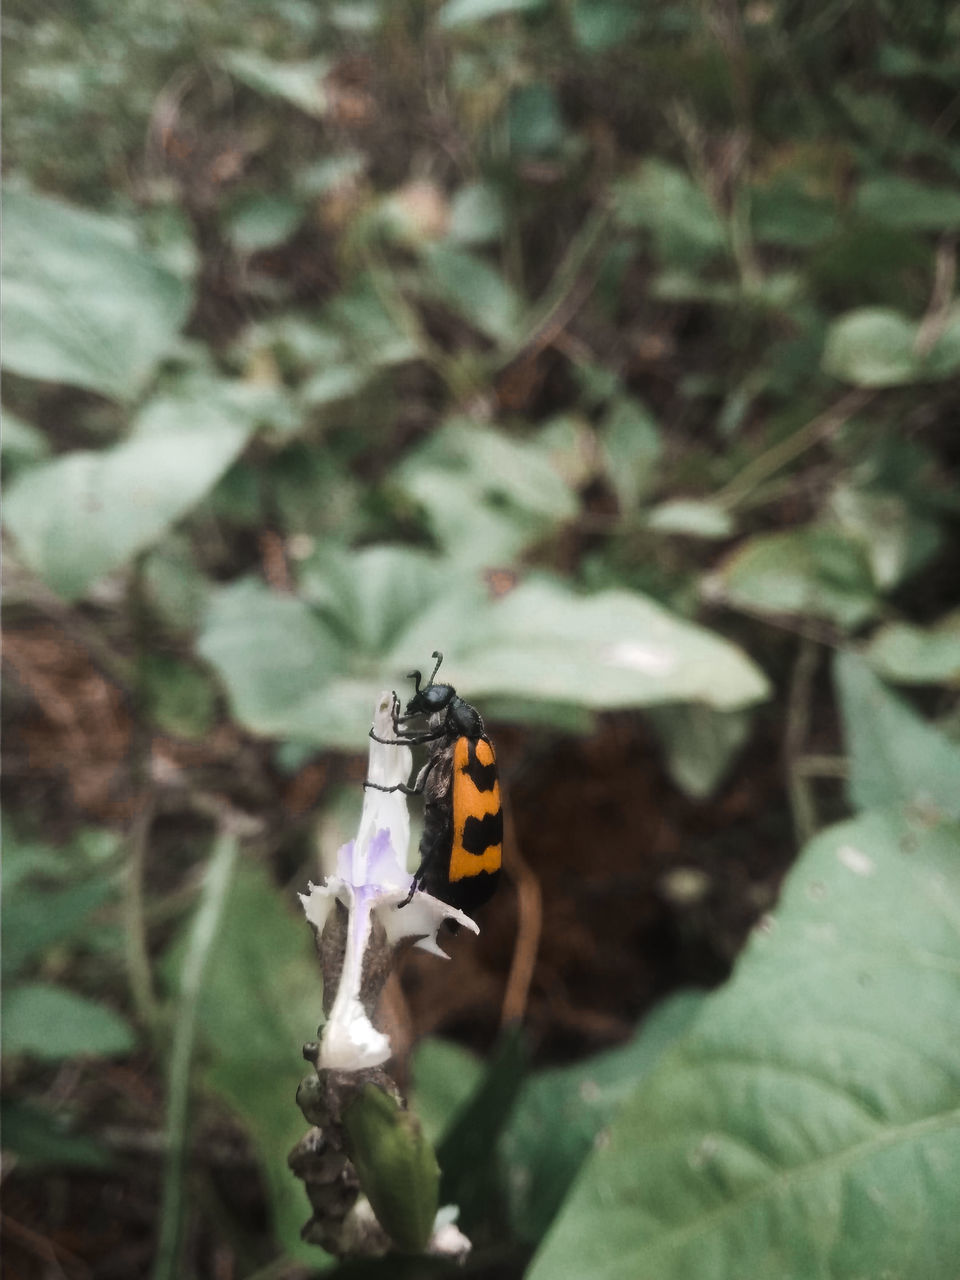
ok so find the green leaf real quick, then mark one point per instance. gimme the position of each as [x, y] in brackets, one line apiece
[35, 919]
[534, 121]
[82, 303]
[461, 13]
[468, 1154]
[895, 757]
[396, 1166]
[784, 213]
[261, 999]
[21, 441]
[299, 83]
[902, 202]
[173, 586]
[692, 517]
[371, 596]
[879, 347]
[612, 649]
[275, 656]
[812, 571]
[896, 540]
[40, 1139]
[600, 24]
[561, 1111]
[808, 1124]
[475, 291]
[486, 495]
[476, 214]
[700, 743]
[665, 201]
[444, 1075]
[52, 1023]
[907, 654]
[633, 447]
[181, 700]
[260, 221]
[86, 513]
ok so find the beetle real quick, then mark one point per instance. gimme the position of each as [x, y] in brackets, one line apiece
[461, 849]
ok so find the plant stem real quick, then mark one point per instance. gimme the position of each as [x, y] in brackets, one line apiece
[798, 724]
[135, 928]
[769, 462]
[213, 898]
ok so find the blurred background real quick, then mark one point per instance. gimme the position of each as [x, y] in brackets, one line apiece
[611, 348]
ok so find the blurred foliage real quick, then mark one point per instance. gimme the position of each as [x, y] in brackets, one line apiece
[609, 347]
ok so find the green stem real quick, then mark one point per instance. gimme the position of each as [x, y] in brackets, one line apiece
[135, 927]
[213, 898]
[798, 725]
[785, 451]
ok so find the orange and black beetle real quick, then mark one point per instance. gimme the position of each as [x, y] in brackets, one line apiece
[462, 844]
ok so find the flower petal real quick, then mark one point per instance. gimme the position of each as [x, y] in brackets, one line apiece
[420, 918]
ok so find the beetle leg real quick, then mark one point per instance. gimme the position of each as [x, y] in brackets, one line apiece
[416, 789]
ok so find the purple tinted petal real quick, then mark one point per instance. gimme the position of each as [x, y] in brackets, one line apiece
[383, 865]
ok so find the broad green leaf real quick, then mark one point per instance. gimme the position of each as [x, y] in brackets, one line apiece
[461, 13]
[276, 656]
[334, 383]
[665, 201]
[444, 1076]
[534, 120]
[699, 743]
[902, 202]
[612, 649]
[809, 1123]
[690, 516]
[784, 213]
[259, 221]
[879, 347]
[371, 596]
[40, 1139]
[180, 698]
[476, 214]
[804, 571]
[52, 1023]
[895, 757]
[82, 304]
[21, 441]
[299, 83]
[85, 513]
[468, 1153]
[600, 24]
[35, 918]
[260, 1001]
[907, 654]
[371, 616]
[486, 496]
[359, 318]
[895, 539]
[633, 447]
[475, 291]
[173, 586]
[561, 1111]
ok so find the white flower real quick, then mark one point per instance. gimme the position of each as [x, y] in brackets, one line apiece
[371, 881]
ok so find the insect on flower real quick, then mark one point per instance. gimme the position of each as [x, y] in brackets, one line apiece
[462, 844]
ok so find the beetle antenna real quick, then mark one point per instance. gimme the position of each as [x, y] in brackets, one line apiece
[439, 657]
[416, 677]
